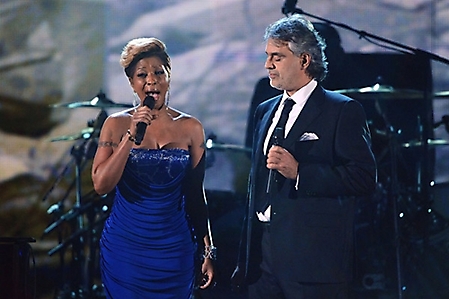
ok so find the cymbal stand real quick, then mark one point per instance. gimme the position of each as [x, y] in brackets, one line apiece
[81, 153]
[395, 195]
[96, 217]
[56, 210]
[81, 268]
[78, 258]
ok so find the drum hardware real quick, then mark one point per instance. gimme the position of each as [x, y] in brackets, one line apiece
[225, 146]
[91, 132]
[393, 188]
[414, 220]
[77, 234]
[99, 101]
[82, 216]
[83, 286]
[444, 121]
[84, 134]
[73, 213]
[374, 281]
[430, 143]
[87, 148]
[441, 94]
[379, 91]
[395, 195]
[440, 197]
[211, 144]
[210, 156]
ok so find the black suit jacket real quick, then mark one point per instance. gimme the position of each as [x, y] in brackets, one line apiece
[312, 227]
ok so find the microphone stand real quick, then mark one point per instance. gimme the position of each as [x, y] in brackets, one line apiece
[424, 176]
[364, 34]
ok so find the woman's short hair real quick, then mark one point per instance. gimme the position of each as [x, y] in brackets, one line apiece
[143, 47]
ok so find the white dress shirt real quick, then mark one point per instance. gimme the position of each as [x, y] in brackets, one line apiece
[300, 98]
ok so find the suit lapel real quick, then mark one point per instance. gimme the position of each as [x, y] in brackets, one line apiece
[311, 110]
[264, 125]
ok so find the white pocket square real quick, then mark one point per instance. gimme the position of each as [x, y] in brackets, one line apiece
[308, 136]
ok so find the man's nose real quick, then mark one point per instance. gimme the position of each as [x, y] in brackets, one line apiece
[269, 64]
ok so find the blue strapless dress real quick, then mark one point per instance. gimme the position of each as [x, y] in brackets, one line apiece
[147, 250]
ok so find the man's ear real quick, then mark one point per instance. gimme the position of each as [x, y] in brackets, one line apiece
[305, 59]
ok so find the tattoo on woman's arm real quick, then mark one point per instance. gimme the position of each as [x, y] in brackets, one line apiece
[107, 144]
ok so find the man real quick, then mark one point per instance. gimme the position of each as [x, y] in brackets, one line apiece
[321, 163]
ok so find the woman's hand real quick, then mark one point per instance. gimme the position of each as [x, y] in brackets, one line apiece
[207, 270]
[141, 115]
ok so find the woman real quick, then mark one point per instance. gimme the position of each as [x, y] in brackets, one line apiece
[159, 218]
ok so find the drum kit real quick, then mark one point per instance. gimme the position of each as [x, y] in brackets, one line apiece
[400, 215]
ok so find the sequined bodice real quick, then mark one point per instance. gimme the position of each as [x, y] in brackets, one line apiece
[156, 166]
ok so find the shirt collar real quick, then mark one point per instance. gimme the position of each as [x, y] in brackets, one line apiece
[301, 95]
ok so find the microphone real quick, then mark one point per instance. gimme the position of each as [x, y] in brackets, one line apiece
[276, 139]
[141, 126]
[289, 6]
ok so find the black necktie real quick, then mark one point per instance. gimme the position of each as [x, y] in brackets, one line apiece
[288, 105]
[277, 138]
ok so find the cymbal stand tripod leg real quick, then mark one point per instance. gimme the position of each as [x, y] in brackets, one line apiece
[397, 235]
[78, 258]
[394, 193]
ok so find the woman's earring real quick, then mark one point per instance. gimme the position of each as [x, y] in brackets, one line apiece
[136, 100]
[167, 99]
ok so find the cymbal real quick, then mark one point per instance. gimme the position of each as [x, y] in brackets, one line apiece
[379, 91]
[430, 142]
[84, 134]
[441, 94]
[210, 145]
[100, 101]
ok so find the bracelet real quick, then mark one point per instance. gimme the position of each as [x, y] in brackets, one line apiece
[210, 252]
[130, 137]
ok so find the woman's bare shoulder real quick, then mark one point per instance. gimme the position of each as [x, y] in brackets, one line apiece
[186, 118]
[119, 117]
[117, 122]
[122, 114]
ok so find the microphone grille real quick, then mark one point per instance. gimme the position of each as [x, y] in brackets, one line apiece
[149, 102]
